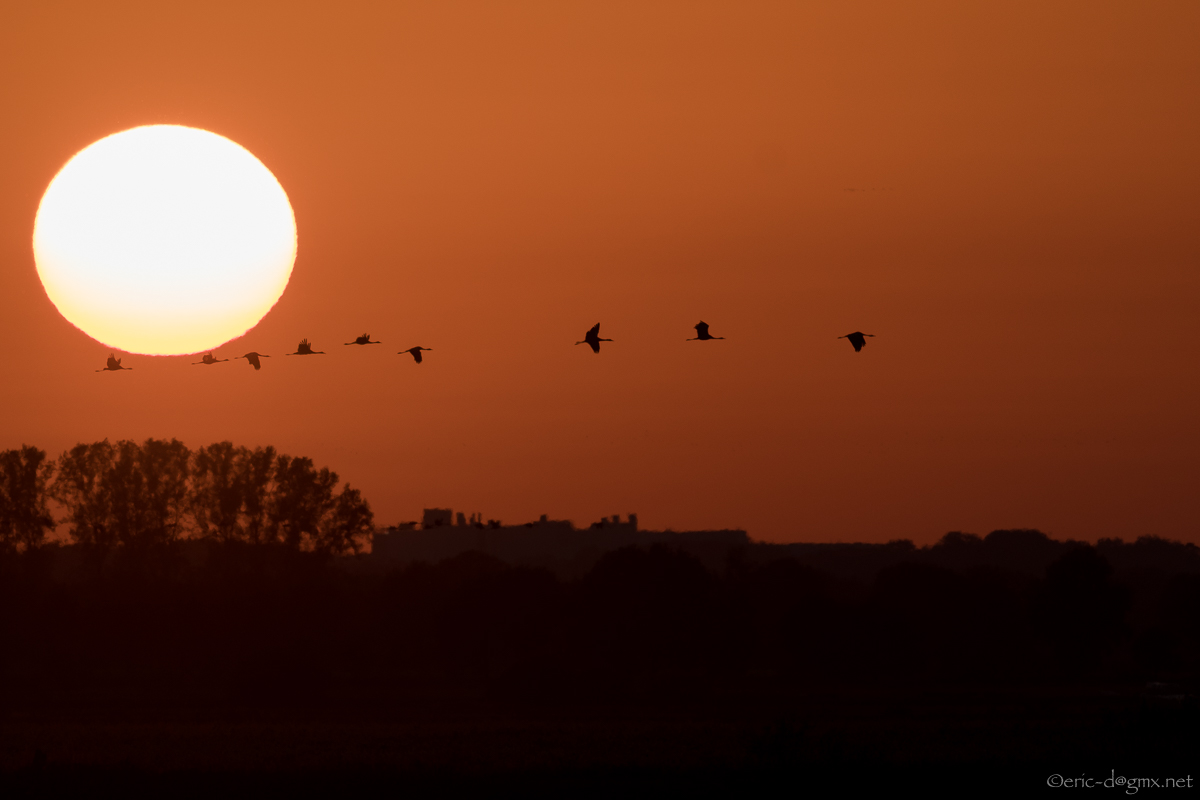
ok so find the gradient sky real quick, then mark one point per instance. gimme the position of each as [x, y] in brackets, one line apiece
[1005, 193]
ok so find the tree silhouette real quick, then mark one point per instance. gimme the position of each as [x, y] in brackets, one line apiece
[149, 491]
[304, 513]
[231, 489]
[644, 611]
[124, 494]
[81, 485]
[1080, 608]
[216, 496]
[255, 471]
[303, 496]
[24, 515]
[145, 496]
[348, 525]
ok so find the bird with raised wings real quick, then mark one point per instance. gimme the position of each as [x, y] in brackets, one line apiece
[305, 349]
[857, 339]
[364, 339]
[592, 338]
[253, 358]
[415, 352]
[209, 358]
[702, 334]
[114, 364]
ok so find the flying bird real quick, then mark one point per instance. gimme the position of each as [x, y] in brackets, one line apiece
[114, 364]
[592, 339]
[702, 334]
[415, 352]
[857, 339]
[253, 358]
[209, 359]
[364, 339]
[305, 349]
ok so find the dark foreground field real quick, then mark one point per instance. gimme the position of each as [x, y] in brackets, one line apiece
[269, 673]
[999, 741]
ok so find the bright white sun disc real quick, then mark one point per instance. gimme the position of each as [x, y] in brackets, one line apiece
[164, 240]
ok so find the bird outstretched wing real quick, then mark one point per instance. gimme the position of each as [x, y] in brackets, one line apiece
[701, 330]
[592, 338]
[857, 339]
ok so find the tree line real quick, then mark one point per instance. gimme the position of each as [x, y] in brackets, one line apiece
[130, 496]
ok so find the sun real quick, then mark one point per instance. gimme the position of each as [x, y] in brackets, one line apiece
[164, 240]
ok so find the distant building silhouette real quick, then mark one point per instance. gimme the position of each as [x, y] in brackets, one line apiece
[544, 542]
[436, 518]
[614, 523]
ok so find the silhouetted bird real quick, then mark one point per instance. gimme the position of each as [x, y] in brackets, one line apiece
[702, 334]
[592, 339]
[114, 364]
[209, 359]
[305, 349]
[415, 352]
[253, 358]
[364, 339]
[857, 339]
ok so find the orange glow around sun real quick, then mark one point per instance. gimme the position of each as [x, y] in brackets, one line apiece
[164, 240]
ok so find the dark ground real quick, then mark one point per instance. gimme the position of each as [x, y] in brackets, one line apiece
[967, 670]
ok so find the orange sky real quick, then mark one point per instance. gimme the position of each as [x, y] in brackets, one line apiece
[490, 180]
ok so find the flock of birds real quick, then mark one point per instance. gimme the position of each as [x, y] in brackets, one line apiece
[302, 349]
[591, 339]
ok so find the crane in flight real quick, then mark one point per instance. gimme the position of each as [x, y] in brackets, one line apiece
[592, 338]
[415, 352]
[114, 364]
[305, 349]
[209, 359]
[702, 334]
[857, 339]
[253, 358]
[364, 339]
